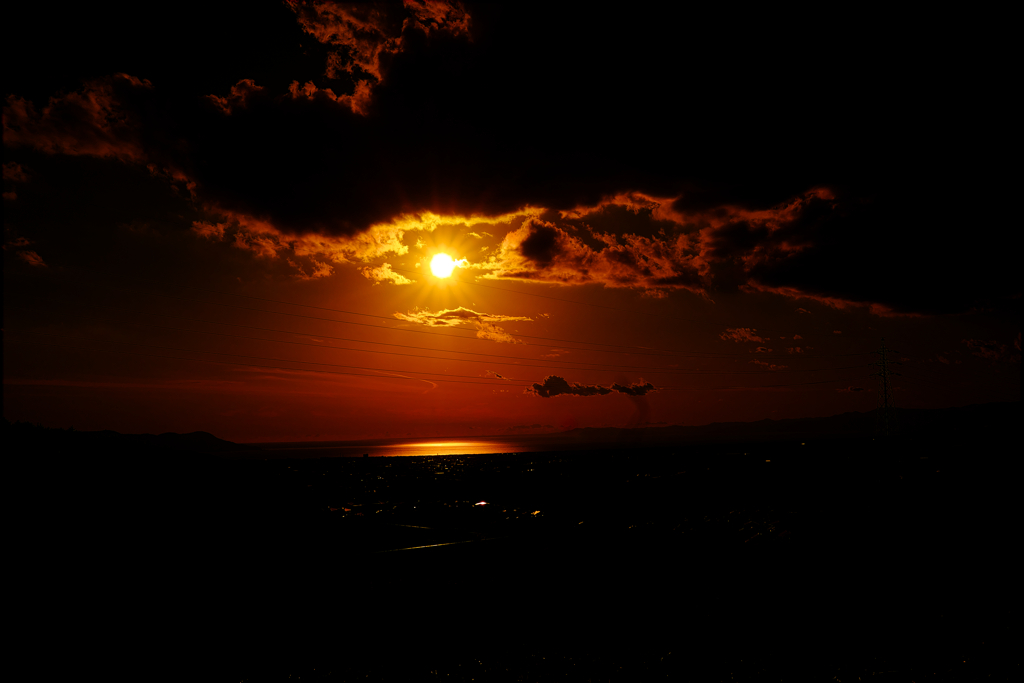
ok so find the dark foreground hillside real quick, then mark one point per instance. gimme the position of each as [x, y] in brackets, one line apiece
[828, 559]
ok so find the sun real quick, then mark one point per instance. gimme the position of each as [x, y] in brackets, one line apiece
[442, 265]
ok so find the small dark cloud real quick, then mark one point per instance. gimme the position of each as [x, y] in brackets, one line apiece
[554, 385]
[633, 389]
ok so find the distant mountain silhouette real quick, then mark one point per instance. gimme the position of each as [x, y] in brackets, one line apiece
[981, 419]
[910, 422]
[110, 441]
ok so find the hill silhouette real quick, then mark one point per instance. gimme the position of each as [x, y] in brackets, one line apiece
[909, 422]
[353, 559]
[108, 440]
[976, 419]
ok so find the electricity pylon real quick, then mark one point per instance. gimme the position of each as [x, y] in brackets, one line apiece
[885, 400]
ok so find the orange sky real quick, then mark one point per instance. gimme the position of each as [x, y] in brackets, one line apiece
[210, 245]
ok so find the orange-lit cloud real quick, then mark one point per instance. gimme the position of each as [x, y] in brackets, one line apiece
[383, 273]
[543, 252]
[18, 242]
[210, 231]
[738, 334]
[237, 97]
[31, 258]
[719, 247]
[357, 101]
[278, 199]
[486, 330]
[483, 322]
[380, 240]
[318, 269]
[878, 309]
[264, 239]
[659, 208]
[769, 366]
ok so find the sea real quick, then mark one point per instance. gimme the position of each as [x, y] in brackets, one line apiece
[390, 448]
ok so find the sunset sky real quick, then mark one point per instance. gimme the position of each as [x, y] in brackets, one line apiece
[225, 222]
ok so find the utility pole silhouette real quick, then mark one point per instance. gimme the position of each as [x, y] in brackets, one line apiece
[885, 401]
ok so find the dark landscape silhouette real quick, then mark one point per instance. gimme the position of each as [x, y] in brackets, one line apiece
[798, 548]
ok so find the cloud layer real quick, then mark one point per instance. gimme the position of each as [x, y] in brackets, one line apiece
[440, 109]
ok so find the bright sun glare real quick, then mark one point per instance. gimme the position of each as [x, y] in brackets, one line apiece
[442, 265]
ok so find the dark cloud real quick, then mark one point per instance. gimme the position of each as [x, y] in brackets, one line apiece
[554, 385]
[362, 37]
[633, 389]
[320, 120]
[542, 243]
[96, 121]
[540, 251]
[15, 173]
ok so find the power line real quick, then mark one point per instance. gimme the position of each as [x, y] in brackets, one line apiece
[645, 369]
[360, 341]
[665, 352]
[380, 317]
[241, 355]
[918, 379]
[392, 374]
[539, 296]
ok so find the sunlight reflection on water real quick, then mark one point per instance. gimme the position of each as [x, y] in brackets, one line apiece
[400, 448]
